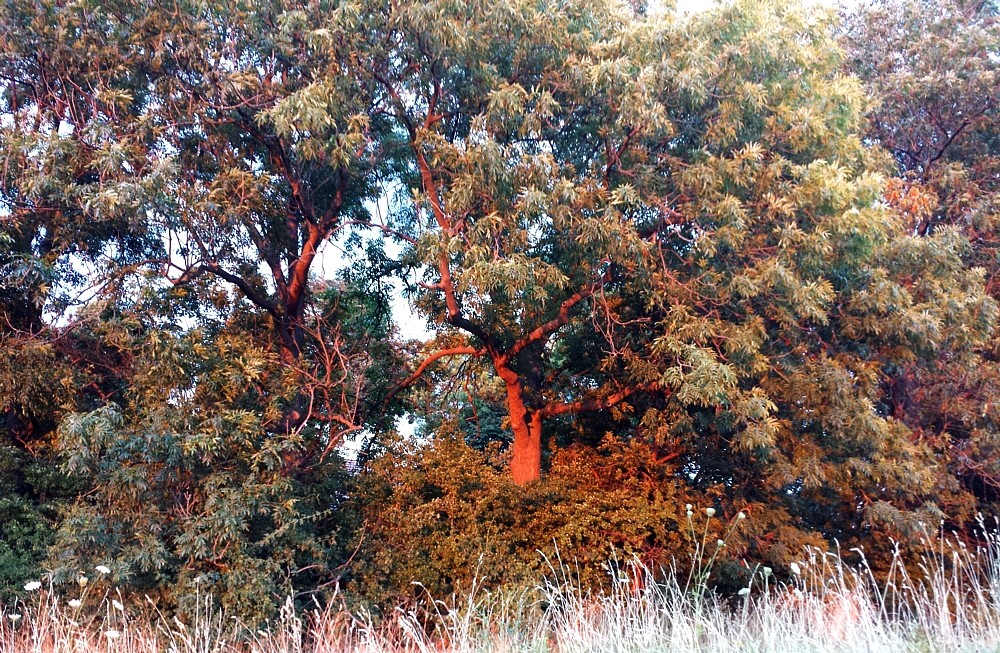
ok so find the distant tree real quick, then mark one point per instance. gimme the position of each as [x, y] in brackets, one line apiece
[788, 290]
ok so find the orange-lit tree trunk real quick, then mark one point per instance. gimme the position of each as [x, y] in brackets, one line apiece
[526, 451]
[527, 410]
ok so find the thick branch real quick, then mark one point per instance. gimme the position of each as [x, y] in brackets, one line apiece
[427, 362]
[548, 328]
[187, 276]
[298, 278]
[447, 285]
[597, 403]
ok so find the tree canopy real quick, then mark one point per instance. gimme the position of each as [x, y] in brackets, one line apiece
[743, 259]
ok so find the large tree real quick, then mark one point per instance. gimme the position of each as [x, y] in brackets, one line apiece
[186, 144]
[682, 220]
[64, 136]
[675, 231]
[527, 218]
[167, 187]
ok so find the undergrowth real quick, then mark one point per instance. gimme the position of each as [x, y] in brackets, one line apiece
[944, 601]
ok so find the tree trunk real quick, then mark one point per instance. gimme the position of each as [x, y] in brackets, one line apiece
[526, 459]
[526, 463]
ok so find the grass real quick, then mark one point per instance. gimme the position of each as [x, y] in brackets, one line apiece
[950, 603]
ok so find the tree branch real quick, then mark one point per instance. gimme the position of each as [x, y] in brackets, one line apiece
[430, 186]
[384, 229]
[592, 404]
[427, 362]
[299, 270]
[546, 329]
[250, 293]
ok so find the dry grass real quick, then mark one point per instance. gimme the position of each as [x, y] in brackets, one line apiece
[950, 604]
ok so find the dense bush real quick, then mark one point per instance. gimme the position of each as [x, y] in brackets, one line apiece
[32, 490]
[447, 517]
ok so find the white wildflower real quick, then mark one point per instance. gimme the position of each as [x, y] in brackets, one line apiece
[117, 605]
[82, 581]
[720, 543]
[13, 617]
[741, 516]
[795, 568]
[32, 586]
[75, 603]
[744, 591]
[113, 634]
[767, 571]
[710, 512]
[102, 570]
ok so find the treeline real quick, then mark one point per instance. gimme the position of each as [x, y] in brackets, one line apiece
[744, 260]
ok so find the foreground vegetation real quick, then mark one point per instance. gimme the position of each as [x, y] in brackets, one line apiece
[950, 601]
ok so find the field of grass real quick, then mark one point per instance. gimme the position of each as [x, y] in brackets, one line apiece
[950, 603]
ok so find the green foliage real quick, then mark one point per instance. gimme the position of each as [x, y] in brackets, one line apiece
[933, 69]
[189, 489]
[32, 491]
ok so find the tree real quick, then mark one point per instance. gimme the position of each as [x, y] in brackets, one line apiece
[789, 291]
[670, 231]
[692, 229]
[193, 151]
[59, 148]
[168, 179]
[933, 68]
[276, 152]
[517, 127]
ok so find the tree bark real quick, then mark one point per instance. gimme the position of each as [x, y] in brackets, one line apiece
[526, 452]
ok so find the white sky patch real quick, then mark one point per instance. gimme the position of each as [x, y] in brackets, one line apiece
[330, 259]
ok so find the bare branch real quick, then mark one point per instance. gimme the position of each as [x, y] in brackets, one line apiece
[250, 293]
[383, 228]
